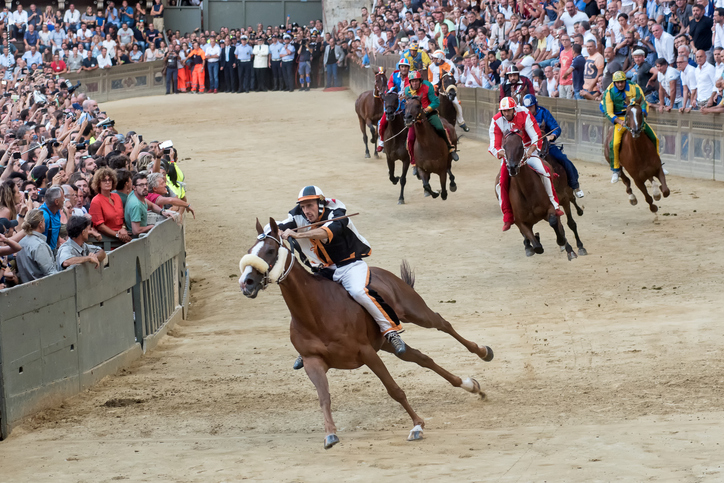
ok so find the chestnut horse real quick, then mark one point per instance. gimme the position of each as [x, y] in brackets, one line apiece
[529, 199]
[396, 140]
[431, 153]
[331, 331]
[369, 109]
[448, 93]
[639, 157]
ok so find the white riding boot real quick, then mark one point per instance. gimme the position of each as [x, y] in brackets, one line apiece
[459, 110]
[549, 189]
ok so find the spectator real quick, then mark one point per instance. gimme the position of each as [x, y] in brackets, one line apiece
[705, 80]
[700, 30]
[549, 86]
[157, 15]
[688, 83]
[197, 61]
[593, 72]
[54, 198]
[89, 63]
[578, 67]
[106, 208]
[719, 27]
[670, 88]
[31, 38]
[213, 53]
[36, 259]
[333, 57]
[58, 66]
[19, 23]
[76, 250]
[612, 66]
[663, 43]
[569, 17]
[565, 83]
[137, 207]
[159, 194]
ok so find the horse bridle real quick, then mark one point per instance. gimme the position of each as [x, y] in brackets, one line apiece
[376, 92]
[397, 111]
[525, 158]
[267, 277]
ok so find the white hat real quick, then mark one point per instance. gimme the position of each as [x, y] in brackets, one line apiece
[244, 37]
[438, 54]
[286, 36]
[639, 52]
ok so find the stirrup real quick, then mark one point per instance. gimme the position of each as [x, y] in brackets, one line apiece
[464, 127]
[399, 345]
[454, 154]
[298, 364]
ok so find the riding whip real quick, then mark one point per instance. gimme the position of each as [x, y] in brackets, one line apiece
[320, 223]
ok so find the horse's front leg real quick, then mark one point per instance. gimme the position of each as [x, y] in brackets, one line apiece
[403, 181]
[527, 232]
[627, 182]
[641, 184]
[373, 361]
[373, 131]
[317, 372]
[555, 223]
[662, 179]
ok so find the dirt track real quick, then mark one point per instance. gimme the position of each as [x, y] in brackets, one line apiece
[606, 368]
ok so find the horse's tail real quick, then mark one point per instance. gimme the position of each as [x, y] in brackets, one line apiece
[407, 274]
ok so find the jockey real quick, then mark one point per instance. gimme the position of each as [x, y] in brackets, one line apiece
[397, 83]
[509, 118]
[430, 103]
[548, 124]
[613, 105]
[418, 59]
[335, 251]
[514, 84]
[439, 67]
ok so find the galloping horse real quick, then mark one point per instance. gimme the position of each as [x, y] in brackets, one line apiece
[330, 330]
[396, 140]
[448, 92]
[529, 199]
[639, 157]
[431, 152]
[369, 109]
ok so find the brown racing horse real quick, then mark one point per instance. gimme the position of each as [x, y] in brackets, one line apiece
[639, 157]
[431, 152]
[369, 109]
[529, 199]
[396, 140]
[448, 92]
[331, 331]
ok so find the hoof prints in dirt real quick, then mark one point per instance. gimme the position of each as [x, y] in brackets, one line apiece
[122, 402]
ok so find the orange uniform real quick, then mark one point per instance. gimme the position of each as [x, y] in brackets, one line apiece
[197, 70]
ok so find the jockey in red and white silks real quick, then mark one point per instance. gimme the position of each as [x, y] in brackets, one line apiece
[514, 117]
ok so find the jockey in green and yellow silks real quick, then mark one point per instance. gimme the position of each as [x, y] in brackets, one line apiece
[613, 105]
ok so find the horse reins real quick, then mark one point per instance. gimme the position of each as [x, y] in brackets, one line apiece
[285, 274]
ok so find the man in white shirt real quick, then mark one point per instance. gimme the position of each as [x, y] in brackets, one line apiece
[670, 89]
[499, 31]
[32, 56]
[104, 60]
[213, 54]
[84, 35]
[705, 80]
[20, 23]
[719, 27]
[261, 64]
[125, 35]
[7, 60]
[72, 17]
[719, 63]
[664, 43]
[688, 83]
[570, 17]
[525, 65]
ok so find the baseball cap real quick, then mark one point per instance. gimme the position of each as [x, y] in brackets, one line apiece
[7, 224]
[639, 52]
[222, 41]
[77, 106]
[287, 37]
[244, 37]
[38, 173]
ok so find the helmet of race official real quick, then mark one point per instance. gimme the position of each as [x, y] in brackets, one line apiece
[414, 75]
[512, 70]
[618, 76]
[507, 103]
[438, 54]
[403, 61]
[530, 100]
[310, 193]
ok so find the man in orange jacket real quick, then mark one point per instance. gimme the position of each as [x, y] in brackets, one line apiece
[197, 62]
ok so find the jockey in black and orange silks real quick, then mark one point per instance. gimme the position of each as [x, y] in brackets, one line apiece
[335, 250]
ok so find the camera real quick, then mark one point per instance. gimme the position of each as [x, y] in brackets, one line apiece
[108, 122]
[80, 146]
[71, 87]
[16, 155]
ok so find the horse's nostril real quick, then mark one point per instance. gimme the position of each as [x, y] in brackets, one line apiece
[249, 282]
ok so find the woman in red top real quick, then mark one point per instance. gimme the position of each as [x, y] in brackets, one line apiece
[58, 66]
[106, 208]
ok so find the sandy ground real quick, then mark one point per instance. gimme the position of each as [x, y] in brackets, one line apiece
[607, 368]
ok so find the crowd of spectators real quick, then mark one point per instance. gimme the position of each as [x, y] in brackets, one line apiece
[672, 49]
[67, 177]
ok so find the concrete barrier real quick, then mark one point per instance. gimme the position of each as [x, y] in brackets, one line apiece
[690, 144]
[122, 81]
[61, 334]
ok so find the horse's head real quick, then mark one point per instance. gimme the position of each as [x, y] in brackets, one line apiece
[448, 86]
[413, 110]
[635, 117]
[380, 82]
[392, 103]
[514, 151]
[262, 258]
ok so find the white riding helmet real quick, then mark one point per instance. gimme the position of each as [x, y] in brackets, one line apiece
[507, 103]
[438, 54]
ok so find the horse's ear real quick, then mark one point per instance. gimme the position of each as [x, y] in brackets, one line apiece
[273, 225]
[259, 228]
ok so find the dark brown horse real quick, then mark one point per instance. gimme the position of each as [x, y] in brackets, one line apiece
[431, 152]
[369, 109]
[396, 141]
[331, 331]
[529, 199]
[639, 157]
[448, 93]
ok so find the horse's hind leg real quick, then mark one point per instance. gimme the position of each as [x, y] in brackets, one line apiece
[425, 176]
[373, 361]
[443, 184]
[317, 372]
[453, 186]
[655, 189]
[555, 223]
[527, 232]
[574, 228]
[403, 182]
[662, 180]
[627, 182]
[363, 128]
[579, 210]
[641, 184]
[373, 130]
[423, 360]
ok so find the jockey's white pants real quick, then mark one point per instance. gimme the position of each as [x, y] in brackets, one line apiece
[459, 110]
[354, 278]
[537, 165]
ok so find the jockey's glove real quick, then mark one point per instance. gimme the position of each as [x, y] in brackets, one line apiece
[429, 110]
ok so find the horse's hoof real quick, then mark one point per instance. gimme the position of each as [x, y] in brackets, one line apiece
[657, 197]
[632, 199]
[471, 385]
[415, 433]
[367, 155]
[444, 195]
[395, 180]
[330, 441]
[435, 194]
[538, 250]
[563, 248]
[453, 187]
[653, 208]
[572, 255]
[376, 155]
[400, 201]
[489, 355]
[666, 192]
[427, 193]
[529, 252]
